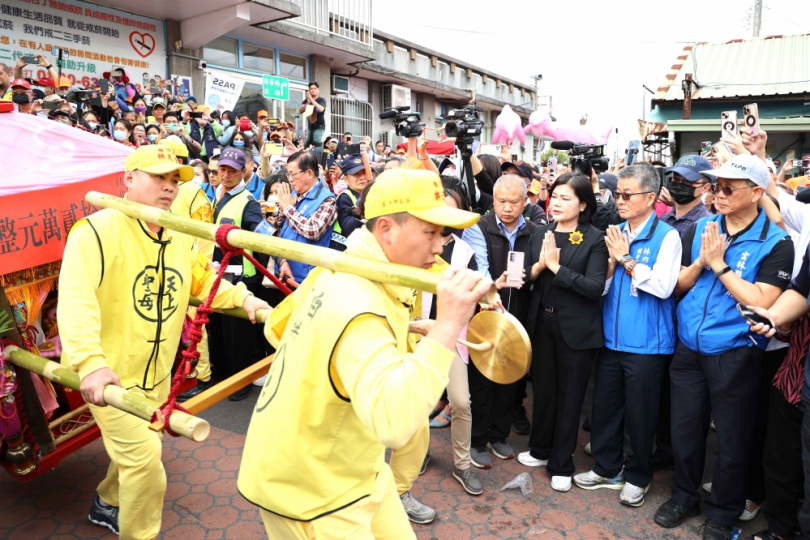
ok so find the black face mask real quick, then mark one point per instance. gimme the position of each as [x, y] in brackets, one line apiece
[20, 99]
[682, 193]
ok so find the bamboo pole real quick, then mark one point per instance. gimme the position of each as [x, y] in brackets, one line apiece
[338, 261]
[181, 423]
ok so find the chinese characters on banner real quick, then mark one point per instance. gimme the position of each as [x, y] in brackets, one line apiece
[34, 225]
[94, 39]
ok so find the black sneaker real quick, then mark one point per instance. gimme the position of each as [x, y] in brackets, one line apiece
[520, 422]
[714, 531]
[671, 514]
[424, 464]
[104, 516]
[239, 395]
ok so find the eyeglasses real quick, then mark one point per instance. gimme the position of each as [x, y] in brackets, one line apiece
[727, 190]
[290, 176]
[626, 196]
[213, 172]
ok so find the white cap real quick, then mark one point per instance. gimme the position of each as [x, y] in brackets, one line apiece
[743, 167]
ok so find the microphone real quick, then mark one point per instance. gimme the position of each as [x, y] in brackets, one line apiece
[385, 115]
[562, 145]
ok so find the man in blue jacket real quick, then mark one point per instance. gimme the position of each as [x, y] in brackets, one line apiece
[737, 256]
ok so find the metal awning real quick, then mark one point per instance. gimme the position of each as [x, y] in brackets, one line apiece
[768, 124]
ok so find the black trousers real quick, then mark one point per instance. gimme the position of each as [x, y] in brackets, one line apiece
[728, 386]
[559, 381]
[804, 512]
[626, 398]
[755, 489]
[663, 433]
[234, 342]
[784, 477]
[492, 405]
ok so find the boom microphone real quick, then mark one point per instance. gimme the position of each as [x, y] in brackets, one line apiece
[385, 115]
[562, 145]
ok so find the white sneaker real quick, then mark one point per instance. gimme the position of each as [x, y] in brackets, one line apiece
[417, 512]
[633, 495]
[707, 487]
[561, 483]
[587, 449]
[591, 480]
[748, 514]
[526, 459]
[260, 381]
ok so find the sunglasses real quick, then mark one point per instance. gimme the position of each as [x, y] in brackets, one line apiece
[727, 190]
[626, 196]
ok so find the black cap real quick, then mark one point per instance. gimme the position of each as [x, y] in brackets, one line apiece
[524, 169]
[608, 181]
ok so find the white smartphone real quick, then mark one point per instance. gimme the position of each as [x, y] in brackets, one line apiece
[729, 123]
[491, 149]
[433, 134]
[751, 118]
[514, 269]
[721, 152]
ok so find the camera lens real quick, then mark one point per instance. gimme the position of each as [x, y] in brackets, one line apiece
[728, 126]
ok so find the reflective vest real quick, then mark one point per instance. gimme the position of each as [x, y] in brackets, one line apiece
[640, 323]
[233, 209]
[306, 206]
[337, 232]
[708, 322]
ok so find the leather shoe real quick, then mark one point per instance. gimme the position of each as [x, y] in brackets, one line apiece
[671, 514]
[195, 390]
[239, 395]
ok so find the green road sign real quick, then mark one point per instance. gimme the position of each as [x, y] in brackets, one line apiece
[275, 87]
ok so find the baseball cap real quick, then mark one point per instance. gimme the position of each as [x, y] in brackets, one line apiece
[535, 187]
[192, 98]
[274, 134]
[771, 165]
[743, 167]
[608, 181]
[419, 193]
[446, 162]
[64, 81]
[174, 142]
[351, 164]
[157, 159]
[20, 83]
[262, 114]
[45, 81]
[38, 93]
[232, 157]
[691, 167]
[58, 112]
[524, 169]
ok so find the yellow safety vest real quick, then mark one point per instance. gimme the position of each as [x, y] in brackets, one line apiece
[304, 406]
[192, 202]
[337, 228]
[233, 209]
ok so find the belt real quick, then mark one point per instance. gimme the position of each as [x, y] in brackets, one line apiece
[550, 309]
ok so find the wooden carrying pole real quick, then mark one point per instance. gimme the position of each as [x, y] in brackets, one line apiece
[181, 423]
[383, 272]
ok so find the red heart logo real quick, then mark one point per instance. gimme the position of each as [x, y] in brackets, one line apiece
[144, 44]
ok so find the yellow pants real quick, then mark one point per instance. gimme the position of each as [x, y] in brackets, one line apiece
[204, 363]
[136, 481]
[378, 517]
[406, 462]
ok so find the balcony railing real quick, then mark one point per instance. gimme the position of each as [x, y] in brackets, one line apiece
[349, 19]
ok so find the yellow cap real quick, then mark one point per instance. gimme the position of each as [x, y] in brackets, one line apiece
[64, 81]
[203, 108]
[180, 149]
[535, 187]
[157, 159]
[419, 193]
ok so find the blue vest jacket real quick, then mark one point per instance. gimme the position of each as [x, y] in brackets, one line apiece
[641, 324]
[256, 186]
[307, 206]
[708, 322]
[210, 191]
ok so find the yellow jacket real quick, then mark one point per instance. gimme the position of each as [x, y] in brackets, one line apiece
[342, 387]
[192, 202]
[123, 295]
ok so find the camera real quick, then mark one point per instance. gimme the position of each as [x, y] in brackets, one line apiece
[464, 124]
[203, 64]
[584, 157]
[408, 123]
[79, 94]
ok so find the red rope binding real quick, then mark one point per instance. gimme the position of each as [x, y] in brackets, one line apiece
[191, 354]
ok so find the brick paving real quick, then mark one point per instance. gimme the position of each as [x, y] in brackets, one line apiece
[202, 502]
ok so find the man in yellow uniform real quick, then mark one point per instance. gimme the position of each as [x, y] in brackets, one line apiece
[123, 291]
[343, 386]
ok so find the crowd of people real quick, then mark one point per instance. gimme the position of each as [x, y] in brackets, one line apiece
[633, 292]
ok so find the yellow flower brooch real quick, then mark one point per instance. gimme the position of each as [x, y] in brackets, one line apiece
[576, 237]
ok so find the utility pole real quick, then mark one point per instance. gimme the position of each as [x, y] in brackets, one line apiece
[537, 79]
[757, 17]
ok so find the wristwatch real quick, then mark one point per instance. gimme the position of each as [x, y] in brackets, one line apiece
[626, 258]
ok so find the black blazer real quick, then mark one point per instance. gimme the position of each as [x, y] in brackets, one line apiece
[580, 282]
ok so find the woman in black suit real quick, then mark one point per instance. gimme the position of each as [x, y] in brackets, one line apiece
[568, 259]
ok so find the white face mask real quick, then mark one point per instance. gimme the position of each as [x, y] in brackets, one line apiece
[703, 199]
[120, 135]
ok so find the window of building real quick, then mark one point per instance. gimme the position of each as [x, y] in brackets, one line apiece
[292, 66]
[258, 58]
[349, 115]
[221, 51]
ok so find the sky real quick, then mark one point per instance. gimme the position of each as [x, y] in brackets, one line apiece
[594, 55]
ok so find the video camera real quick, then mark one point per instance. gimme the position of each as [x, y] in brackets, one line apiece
[464, 124]
[407, 123]
[584, 157]
[79, 94]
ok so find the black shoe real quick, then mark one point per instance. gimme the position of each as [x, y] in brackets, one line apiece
[714, 531]
[104, 516]
[661, 461]
[671, 514]
[195, 391]
[239, 395]
[520, 422]
[424, 464]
